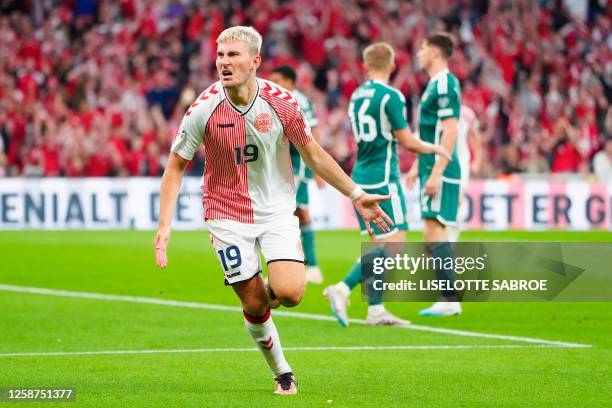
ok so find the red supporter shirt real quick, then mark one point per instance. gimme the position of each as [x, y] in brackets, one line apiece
[566, 159]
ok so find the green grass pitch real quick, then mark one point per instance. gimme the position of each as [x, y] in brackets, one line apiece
[407, 368]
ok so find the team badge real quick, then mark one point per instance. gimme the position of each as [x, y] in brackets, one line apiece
[263, 122]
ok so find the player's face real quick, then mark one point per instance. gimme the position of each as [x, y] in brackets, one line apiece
[280, 80]
[424, 55]
[236, 63]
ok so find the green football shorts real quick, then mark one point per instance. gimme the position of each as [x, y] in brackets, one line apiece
[395, 208]
[301, 197]
[444, 205]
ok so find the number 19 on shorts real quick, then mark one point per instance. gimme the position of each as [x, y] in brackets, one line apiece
[230, 257]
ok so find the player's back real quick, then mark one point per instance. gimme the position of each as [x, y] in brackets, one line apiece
[375, 111]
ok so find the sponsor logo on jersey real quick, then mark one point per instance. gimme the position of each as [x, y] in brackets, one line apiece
[225, 125]
[263, 122]
[231, 275]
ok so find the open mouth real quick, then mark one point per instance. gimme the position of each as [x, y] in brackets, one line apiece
[226, 74]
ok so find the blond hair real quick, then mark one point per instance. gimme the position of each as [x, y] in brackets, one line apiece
[378, 56]
[248, 35]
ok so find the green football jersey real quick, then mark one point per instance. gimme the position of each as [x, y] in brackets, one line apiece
[376, 110]
[299, 167]
[441, 100]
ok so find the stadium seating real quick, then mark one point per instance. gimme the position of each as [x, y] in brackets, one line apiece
[98, 88]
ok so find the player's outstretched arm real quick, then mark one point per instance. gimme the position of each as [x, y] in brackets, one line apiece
[169, 190]
[410, 142]
[325, 166]
[315, 134]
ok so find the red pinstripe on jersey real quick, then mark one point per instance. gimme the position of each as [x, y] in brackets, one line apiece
[226, 191]
[288, 111]
[226, 185]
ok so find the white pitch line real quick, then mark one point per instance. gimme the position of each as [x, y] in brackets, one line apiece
[235, 350]
[298, 315]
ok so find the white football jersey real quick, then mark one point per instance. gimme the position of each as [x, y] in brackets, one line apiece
[248, 175]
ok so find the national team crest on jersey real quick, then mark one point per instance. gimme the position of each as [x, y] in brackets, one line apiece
[263, 122]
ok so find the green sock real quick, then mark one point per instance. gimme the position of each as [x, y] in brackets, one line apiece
[308, 244]
[355, 275]
[353, 278]
[444, 250]
[374, 296]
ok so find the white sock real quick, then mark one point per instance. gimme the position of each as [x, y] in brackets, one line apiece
[376, 309]
[263, 331]
[343, 288]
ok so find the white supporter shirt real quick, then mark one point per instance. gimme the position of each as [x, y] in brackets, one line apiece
[248, 175]
[602, 166]
[466, 121]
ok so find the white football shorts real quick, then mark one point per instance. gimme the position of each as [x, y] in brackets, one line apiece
[237, 245]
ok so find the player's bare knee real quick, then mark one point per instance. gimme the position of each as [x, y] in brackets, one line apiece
[290, 297]
[434, 231]
[291, 300]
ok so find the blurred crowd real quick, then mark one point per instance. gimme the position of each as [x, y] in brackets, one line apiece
[99, 87]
